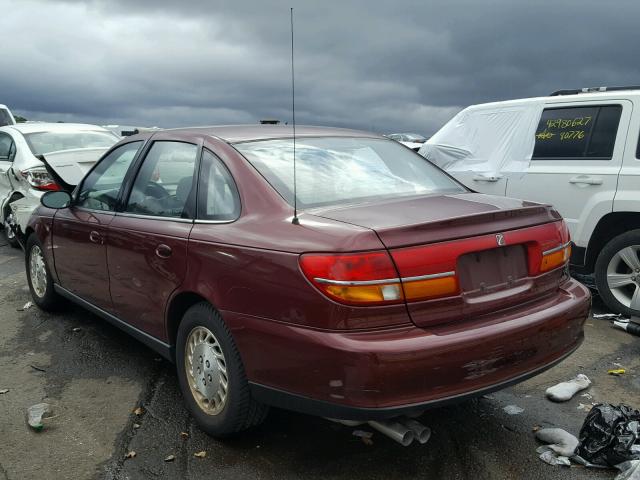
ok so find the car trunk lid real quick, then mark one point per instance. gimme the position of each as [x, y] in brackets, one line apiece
[478, 253]
[72, 165]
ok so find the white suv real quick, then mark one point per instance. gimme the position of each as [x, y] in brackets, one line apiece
[577, 150]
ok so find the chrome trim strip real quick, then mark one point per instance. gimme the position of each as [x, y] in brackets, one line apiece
[205, 222]
[429, 277]
[556, 249]
[154, 217]
[351, 283]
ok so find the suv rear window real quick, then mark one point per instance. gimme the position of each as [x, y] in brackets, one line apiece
[335, 170]
[577, 132]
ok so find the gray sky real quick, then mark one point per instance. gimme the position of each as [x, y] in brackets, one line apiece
[382, 66]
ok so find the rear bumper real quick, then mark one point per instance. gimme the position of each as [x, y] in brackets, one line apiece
[384, 373]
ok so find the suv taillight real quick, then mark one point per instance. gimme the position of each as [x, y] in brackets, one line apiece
[39, 178]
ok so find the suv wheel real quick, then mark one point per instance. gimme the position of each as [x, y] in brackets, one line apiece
[617, 273]
[211, 375]
[39, 277]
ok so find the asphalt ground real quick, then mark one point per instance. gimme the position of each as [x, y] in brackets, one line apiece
[95, 377]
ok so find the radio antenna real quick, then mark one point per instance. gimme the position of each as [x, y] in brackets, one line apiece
[295, 220]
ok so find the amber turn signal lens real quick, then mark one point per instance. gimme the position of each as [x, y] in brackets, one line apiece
[430, 288]
[366, 293]
[555, 259]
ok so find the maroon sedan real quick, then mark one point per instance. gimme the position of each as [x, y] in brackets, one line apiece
[394, 289]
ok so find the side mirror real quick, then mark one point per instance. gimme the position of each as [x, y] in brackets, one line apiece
[57, 200]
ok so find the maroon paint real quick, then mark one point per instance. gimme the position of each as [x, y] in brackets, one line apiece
[412, 365]
[80, 253]
[291, 336]
[142, 279]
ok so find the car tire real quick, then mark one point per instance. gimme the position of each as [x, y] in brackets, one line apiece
[10, 235]
[39, 277]
[617, 274]
[206, 359]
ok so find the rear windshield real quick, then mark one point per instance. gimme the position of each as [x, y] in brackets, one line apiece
[47, 142]
[335, 170]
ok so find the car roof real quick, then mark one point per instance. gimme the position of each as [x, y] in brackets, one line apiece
[33, 127]
[578, 97]
[248, 133]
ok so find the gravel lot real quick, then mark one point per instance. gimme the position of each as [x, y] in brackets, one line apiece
[96, 376]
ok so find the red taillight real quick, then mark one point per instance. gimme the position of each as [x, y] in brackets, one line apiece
[426, 272]
[39, 178]
[367, 278]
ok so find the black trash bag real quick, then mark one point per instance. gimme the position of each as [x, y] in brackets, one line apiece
[608, 433]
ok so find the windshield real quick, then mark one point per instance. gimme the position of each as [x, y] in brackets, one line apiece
[47, 142]
[334, 170]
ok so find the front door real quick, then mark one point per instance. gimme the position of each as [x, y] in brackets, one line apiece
[147, 241]
[576, 160]
[80, 231]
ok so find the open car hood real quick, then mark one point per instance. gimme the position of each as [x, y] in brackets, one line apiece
[72, 165]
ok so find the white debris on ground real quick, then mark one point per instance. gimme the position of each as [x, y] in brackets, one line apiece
[558, 440]
[513, 409]
[566, 390]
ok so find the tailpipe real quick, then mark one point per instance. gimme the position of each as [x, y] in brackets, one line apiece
[395, 431]
[421, 432]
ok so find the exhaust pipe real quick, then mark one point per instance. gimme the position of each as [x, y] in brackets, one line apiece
[395, 431]
[421, 432]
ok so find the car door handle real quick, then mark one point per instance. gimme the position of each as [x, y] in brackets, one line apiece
[95, 237]
[163, 251]
[480, 178]
[586, 179]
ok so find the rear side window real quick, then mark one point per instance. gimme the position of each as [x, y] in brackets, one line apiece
[6, 147]
[217, 193]
[577, 133]
[165, 181]
[5, 118]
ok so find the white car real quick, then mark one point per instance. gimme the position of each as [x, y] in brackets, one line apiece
[39, 157]
[6, 117]
[575, 149]
[412, 140]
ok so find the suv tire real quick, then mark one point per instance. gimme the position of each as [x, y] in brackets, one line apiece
[211, 375]
[617, 274]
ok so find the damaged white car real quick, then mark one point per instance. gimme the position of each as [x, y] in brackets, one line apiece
[39, 157]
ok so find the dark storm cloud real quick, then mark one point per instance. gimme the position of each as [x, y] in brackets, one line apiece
[386, 66]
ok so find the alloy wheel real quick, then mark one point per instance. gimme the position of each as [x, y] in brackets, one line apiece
[37, 271]
[623, 276]
[206, 370]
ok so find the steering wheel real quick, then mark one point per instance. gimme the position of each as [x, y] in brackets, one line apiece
[155, 190]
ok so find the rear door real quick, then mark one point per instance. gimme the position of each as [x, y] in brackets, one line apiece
[147, 241]
[576, 160]
[80, 231]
